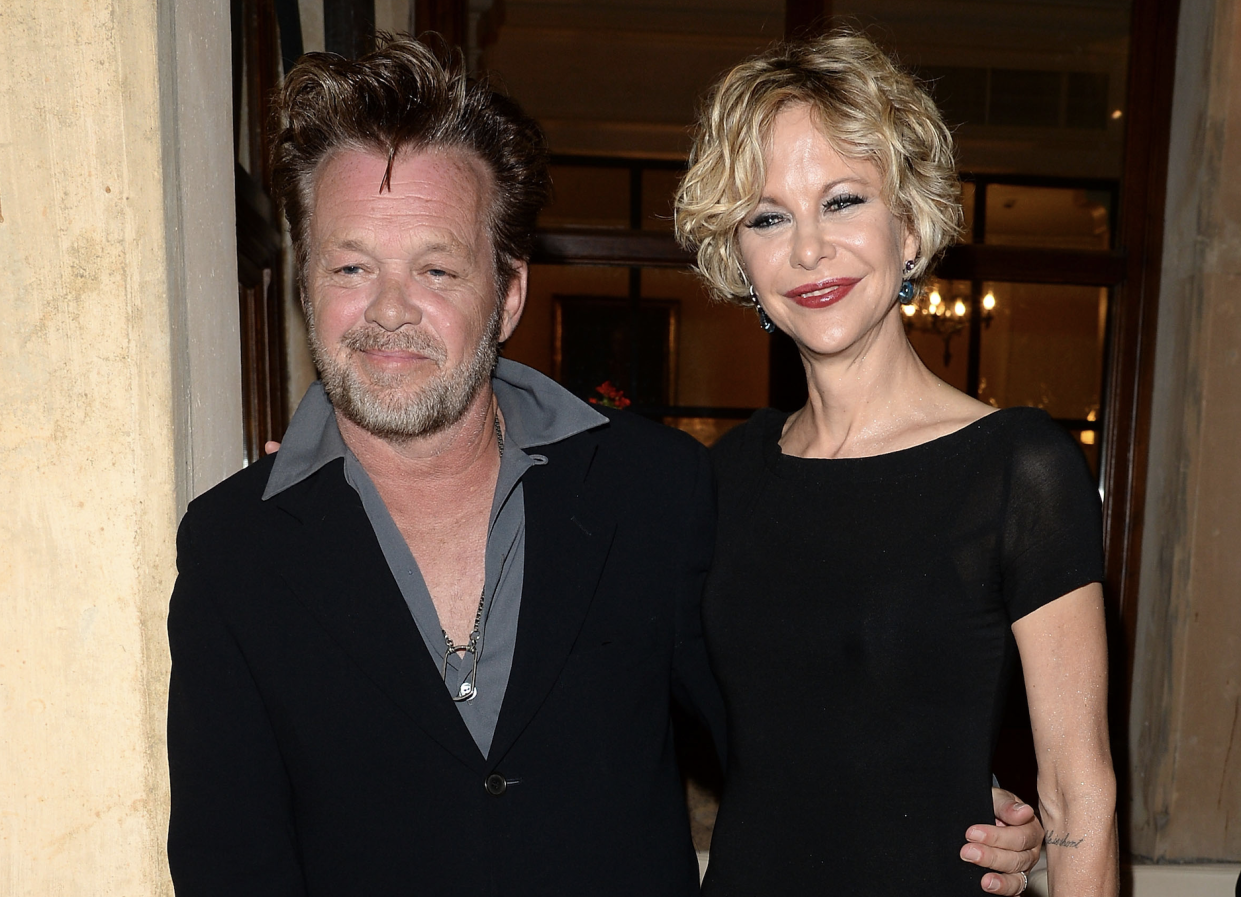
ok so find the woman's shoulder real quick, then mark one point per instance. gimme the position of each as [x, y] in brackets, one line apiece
[742, 446]
[749, 431]
[1031, 434]
[1045, 464]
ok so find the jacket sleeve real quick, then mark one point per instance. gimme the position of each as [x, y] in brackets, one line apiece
[231, 829]
[694, 685]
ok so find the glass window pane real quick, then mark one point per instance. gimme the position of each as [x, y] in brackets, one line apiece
[1086, 99]
[1089, 441]
[960, 93]
[1027, 88]
[706, 430]
[1024, 98]
[722, 352]
[658, 192]
[583, 196]
[533, 342]
[609, 348]
[1048, 217]
[968, 191]
[687, 350]
[1043, 346]
[939, 330]
[620, 78]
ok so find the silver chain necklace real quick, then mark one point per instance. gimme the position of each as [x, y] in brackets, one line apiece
[469, 685]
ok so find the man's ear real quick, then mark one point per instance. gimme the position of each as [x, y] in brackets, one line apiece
[514, 300]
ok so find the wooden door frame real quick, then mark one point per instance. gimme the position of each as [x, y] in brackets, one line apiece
[1130, 374]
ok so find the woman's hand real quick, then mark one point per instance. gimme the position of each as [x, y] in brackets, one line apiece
[1009, 847]
[1063, 648]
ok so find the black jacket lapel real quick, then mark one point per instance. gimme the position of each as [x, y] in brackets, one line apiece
[329, 556]
[567, 543]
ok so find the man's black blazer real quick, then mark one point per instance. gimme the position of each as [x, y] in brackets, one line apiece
[314, 750]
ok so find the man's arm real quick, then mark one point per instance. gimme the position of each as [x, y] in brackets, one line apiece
[693, 684]
[231, 829]
[1009, 847]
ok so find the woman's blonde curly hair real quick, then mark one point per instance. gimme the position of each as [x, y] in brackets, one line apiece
[867, 107]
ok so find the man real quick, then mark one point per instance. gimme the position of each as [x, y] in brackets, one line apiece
[431, 645]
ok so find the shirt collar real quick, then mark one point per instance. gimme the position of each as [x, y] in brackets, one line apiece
[537, 411]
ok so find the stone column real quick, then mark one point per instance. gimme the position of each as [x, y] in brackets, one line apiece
[120, 397]
[1185, 735]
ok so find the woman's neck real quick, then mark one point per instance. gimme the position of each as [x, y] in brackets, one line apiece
[876, 398]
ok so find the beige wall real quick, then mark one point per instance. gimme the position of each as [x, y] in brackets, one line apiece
[1185, 737]
[117, 309]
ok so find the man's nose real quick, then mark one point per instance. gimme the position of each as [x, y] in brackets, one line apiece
[394, 305]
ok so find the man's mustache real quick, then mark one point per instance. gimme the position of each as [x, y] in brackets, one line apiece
[365, 339]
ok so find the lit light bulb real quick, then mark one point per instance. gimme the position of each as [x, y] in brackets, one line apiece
[1088, 436]
[909, 310]
[988, 301]
[959, 308]
[935, 300]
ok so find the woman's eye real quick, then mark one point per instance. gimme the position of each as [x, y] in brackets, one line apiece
[763, 220]
[842, 202]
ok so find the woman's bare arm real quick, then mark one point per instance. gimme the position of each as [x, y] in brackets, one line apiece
[1063, 648]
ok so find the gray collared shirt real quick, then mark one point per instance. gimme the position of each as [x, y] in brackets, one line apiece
[537, 411]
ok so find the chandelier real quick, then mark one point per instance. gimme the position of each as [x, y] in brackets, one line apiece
[931, 313]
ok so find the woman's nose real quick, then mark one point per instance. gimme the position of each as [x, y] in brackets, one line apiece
[810, 246]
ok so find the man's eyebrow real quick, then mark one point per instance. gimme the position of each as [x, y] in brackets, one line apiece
[345, 245]
[448, 246]
[352, 245]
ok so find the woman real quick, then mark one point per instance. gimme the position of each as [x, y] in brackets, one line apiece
[878, 546]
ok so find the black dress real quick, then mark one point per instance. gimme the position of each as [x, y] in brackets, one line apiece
[858, 618]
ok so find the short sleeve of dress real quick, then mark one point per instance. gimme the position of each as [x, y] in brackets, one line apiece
[1053, 520]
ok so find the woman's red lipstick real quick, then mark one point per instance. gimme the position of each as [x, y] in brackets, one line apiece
[823, 293]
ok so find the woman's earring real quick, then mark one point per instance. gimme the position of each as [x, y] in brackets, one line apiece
[907, 291]
[763, 320]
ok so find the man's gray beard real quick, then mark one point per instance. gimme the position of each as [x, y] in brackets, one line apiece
[384, 406]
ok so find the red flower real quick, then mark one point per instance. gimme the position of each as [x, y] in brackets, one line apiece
[613, 397]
